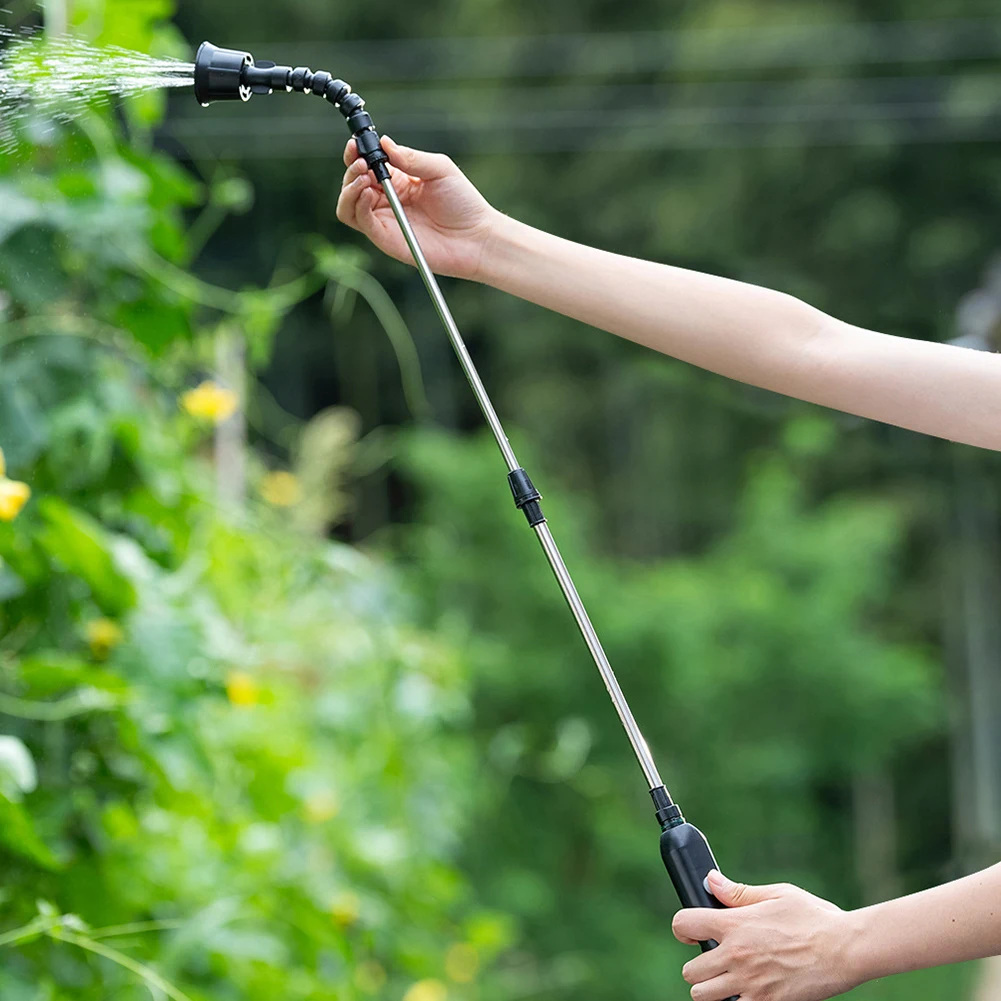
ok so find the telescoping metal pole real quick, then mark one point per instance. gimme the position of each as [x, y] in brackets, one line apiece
[684, 848]
[526, 496]
[231, 75]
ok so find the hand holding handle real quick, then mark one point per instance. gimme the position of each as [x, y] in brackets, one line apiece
[689, 859]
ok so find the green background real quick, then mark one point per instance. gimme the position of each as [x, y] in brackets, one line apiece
[341, 746]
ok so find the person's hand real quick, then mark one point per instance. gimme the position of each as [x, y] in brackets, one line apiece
[453, 221]
[776, 943]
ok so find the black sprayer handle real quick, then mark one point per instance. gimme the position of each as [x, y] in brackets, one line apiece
[689, 859]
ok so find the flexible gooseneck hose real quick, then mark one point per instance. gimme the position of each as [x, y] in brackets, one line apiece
[229, 75]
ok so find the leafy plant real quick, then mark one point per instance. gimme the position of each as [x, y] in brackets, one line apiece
[231, 763]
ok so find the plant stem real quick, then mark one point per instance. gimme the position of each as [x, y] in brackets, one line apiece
[136, 928]
[37, 927]
[151, 977]
[379, 301]
[53, 712]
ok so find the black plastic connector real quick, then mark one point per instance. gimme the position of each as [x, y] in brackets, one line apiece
[667, 811]
[318, 85]
[336, 91]
[350, 104]
[526, 497]
[266, 78]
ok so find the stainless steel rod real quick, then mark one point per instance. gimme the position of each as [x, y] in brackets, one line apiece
[598, 653]
[545, 536]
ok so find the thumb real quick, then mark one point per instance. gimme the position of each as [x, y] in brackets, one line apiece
[417, 163]
[732, 894]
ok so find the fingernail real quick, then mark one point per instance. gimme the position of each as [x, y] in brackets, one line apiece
[715, 877]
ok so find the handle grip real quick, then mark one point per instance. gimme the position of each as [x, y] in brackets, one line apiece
[689, 859]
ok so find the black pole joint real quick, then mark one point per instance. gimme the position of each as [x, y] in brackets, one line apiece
[668, 812]
[526, 497]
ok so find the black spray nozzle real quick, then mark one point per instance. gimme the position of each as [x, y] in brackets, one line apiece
[231, 75]
[219, 74]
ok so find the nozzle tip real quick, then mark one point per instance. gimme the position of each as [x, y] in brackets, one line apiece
[219, 74]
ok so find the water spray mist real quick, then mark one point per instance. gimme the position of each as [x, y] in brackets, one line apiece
[46, 80]
[231, 75]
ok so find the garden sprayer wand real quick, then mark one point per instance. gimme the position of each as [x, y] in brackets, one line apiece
[230, 75]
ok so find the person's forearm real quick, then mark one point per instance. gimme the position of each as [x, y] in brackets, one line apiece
[755, 335]
[954, 923]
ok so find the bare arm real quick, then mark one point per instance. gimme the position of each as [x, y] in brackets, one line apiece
[755, 335]
[780, 943]
[953, 923]
[748, 333]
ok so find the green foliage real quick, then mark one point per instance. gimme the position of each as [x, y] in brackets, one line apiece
[816, 627]
[271, 785]
[231, 765]
[763, 673]
[237, 763]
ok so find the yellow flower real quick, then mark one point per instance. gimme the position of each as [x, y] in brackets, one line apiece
[346, 908]
[103, 635]
[426, 990]
[462, 963]
[281, 489]
[13, 497]
[369, 977]
[321, 807]
[210, 402]
[242, 689]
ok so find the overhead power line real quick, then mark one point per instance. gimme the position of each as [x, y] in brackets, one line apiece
[408, 85]
[462, 118]
[595, 99]
[689, 50]
[637, 129]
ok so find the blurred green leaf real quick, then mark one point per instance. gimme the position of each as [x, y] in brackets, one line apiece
[78, 544]
[17, 769]
[17, 835]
